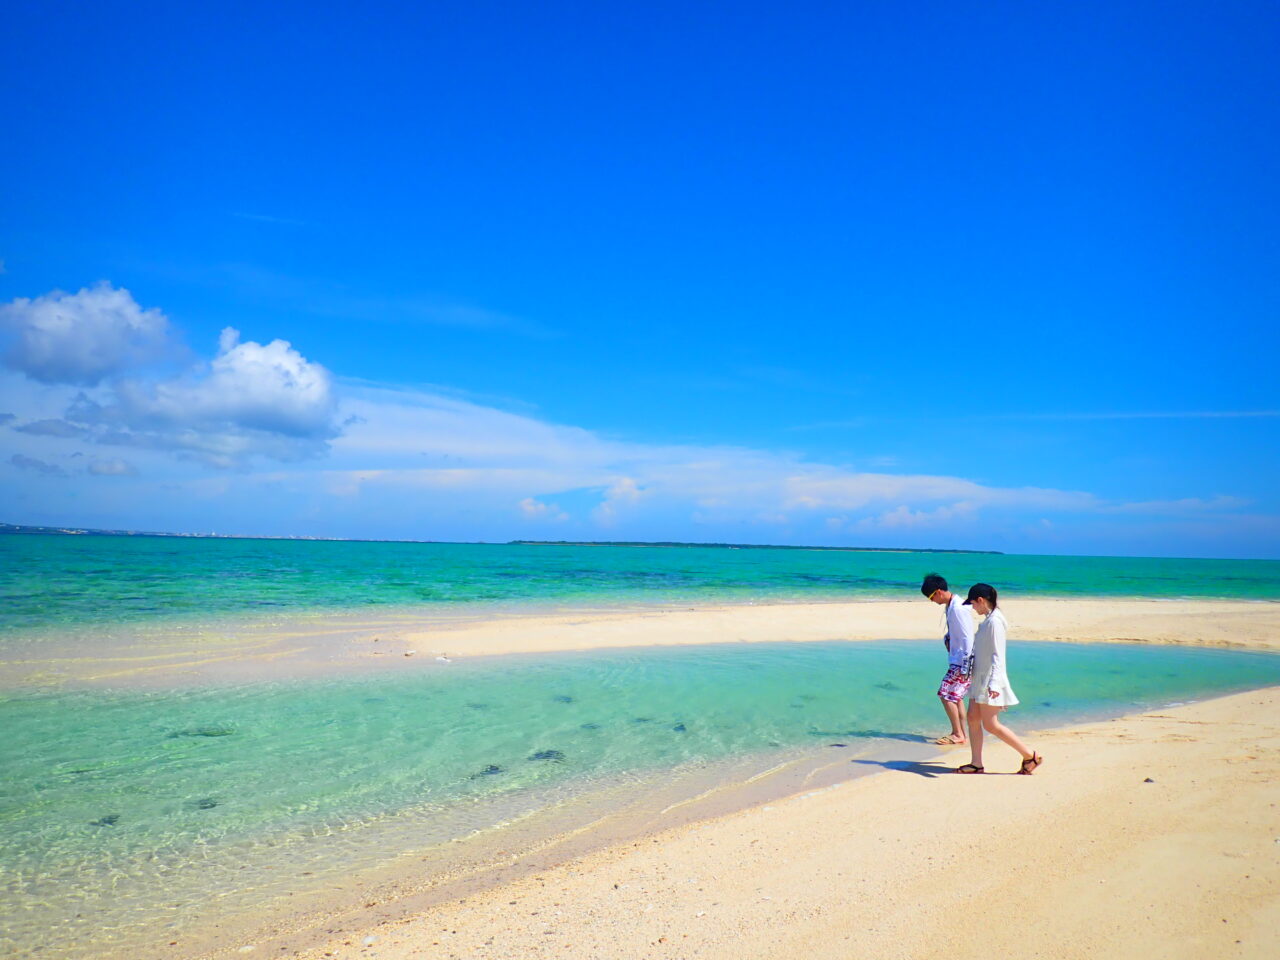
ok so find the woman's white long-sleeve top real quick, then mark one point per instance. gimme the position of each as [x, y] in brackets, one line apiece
[990, 679]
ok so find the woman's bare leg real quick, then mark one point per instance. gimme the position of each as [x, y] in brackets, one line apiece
[991, 723]
[975, 733]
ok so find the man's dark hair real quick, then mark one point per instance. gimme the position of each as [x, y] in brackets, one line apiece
[932, 584]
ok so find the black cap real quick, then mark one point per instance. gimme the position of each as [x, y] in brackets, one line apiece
[984, 590]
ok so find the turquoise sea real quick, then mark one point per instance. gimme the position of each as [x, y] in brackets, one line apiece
[132, 818]
[47, 581]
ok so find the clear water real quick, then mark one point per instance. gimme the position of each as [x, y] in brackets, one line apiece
[49, 582]
[120, 811]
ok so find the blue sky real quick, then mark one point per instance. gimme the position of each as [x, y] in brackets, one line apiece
[996, 276]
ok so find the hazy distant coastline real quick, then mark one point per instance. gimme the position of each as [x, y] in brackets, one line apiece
[18, 528]
[737, 546]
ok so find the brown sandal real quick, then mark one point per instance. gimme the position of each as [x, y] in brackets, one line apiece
[1029, 765]
[970, 768]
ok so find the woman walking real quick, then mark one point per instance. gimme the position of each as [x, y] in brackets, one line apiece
[990, 691]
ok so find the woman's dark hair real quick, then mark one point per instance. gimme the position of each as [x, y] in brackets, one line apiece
[984, 590]
[932, 584]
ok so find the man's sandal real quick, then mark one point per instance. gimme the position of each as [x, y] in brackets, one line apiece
[1029, 765]
[970, 768]
[950, 741]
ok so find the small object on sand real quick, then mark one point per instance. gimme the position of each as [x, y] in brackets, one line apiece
[408, 653]
[1148, 780]
[837, 744]
[369, 941]
[443, 658]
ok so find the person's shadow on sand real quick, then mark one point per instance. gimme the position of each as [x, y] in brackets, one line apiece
[869, 735]
[921, 768]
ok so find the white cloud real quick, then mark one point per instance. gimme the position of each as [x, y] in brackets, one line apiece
[113, 467]
[51, 428]
[537, 510]
[1187, 505]
[81, 338]
[620, 495]
[477, 454]
[426, 462]
[903, 517]
[253, 400]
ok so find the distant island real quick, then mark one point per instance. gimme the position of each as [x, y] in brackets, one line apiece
[736, 546]
[18, 528]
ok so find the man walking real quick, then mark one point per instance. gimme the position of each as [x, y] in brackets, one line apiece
[959, 644]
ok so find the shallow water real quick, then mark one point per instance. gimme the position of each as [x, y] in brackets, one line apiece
[50, 582]
[121, 813]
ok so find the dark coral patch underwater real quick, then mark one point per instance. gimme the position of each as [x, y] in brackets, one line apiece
[553, 755]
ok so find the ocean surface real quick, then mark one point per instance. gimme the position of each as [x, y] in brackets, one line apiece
[51, 581]
[128, 818]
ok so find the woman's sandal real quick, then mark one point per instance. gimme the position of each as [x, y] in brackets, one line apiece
[1029, 765]
[970, 768]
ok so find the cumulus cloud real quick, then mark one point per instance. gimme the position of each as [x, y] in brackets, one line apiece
[81, 338]
[253, 400]
[622, 493]
[23, 462]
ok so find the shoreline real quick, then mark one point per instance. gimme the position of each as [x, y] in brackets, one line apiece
[1149, 834]
[327, 646]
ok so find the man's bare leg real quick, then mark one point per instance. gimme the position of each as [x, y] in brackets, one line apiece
[956, 714]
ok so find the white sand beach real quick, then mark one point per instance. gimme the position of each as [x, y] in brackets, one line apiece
[1215, 623]
[246, 650]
